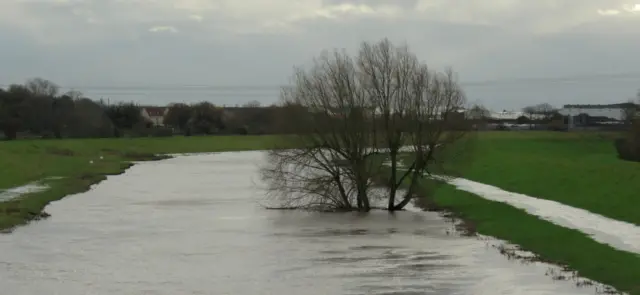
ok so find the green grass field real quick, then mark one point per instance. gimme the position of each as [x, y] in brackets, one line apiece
[553, 243]
[580, 171]
[30, 160]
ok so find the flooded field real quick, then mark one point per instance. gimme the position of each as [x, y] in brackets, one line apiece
[194, 225]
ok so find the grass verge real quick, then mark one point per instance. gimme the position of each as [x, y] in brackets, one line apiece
[580, 171]
[553, 243]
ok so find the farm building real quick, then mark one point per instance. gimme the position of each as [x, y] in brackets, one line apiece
[585, 115]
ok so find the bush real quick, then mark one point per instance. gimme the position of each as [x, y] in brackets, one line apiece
[627, 150]
[629, 147]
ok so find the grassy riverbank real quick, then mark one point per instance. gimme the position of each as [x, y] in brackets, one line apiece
[553, 243]
[580, 171]
[576, 169]
[83, 162]
[529, 158]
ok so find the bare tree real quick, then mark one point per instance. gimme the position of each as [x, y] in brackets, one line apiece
[350, 117]
[42, 87]
[530, 112]
[480, 116]
[540, 112]
[545, 111]
[631, 109]
[479, 112]
[73, 95]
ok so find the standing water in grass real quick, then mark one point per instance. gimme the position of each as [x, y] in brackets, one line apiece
[14, 192]
[618, 234]
[192, 225]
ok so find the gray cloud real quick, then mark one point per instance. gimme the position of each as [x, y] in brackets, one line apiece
[112, 43]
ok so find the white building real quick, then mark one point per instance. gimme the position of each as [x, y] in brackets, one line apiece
[155, 115]
[608, 114]
[613, 111]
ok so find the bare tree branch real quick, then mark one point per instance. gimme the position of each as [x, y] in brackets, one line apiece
[346, 115]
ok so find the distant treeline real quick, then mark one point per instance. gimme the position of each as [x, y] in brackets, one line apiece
[38, 109]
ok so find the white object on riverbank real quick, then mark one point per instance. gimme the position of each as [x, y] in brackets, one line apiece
[12, 193]
[618, 234]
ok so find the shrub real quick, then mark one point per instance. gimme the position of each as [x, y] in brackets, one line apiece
[623, 149]
[629, 147]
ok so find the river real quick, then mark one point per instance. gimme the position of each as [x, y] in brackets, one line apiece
[194, 225]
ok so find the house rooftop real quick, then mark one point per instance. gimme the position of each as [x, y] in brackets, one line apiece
[155, 111]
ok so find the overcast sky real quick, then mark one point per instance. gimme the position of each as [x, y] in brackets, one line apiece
[508, 53]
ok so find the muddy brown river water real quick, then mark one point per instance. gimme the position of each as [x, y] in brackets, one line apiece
[193, 225]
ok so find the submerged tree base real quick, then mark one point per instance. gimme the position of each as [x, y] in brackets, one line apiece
[326, 210]
[349, 115]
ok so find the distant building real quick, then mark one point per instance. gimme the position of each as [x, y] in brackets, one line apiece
[155, 115]
[582, 115]
[611, 111]
[512, 115]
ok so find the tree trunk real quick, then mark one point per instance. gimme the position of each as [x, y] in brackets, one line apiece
[393, 157]
[360, 178]
[343, 193]
[409, 195]
[362, 195]
[366, 207]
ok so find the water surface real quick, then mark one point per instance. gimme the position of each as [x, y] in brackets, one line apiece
[193, 225]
